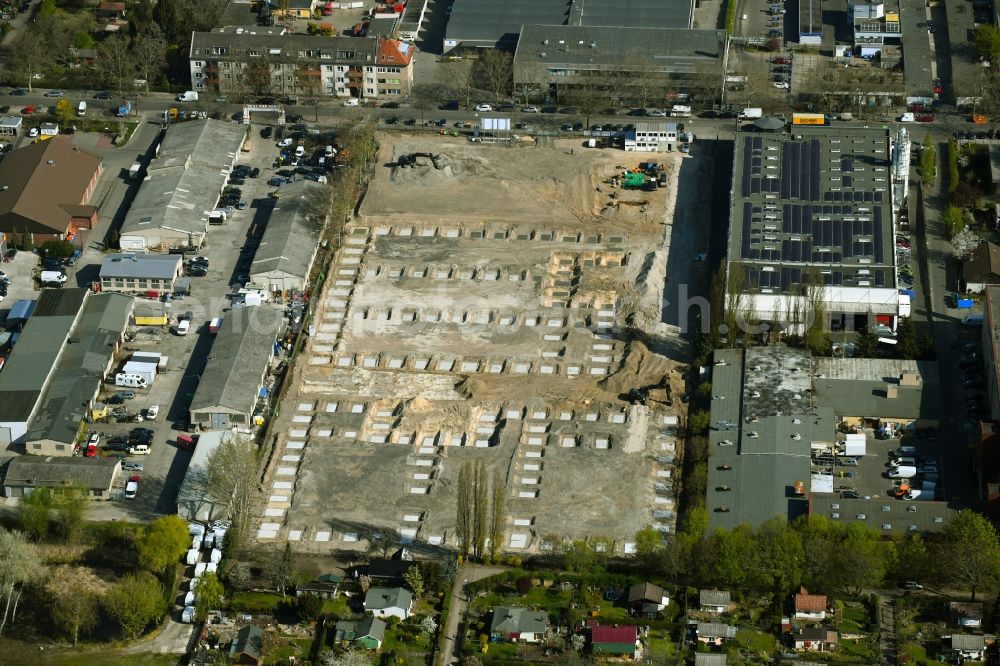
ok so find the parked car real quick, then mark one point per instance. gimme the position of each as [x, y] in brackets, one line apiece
[529, 109]
[54, 93]
[132, 487]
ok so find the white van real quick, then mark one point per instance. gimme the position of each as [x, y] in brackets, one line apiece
[188, 96]
[139, 450]
[131, 380]
[131, 488]
[182, 327]
[81, 109]
[352, 101]
[52, 277]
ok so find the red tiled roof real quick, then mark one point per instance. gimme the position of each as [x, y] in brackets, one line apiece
[393, 52]
[604, 634]
[810, 603]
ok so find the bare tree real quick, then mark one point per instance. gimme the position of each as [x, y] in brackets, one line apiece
[18, 565]
[588, 98]
[30, 57]
[150, 58]
[494, 71]
[117, 62]
[232, 482]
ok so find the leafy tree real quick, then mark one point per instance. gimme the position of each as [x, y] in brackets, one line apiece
[480, 508]
[861, 558]
[780, 558]
[867, 343]
[73, 598]
[954, 221]
[309, 607]
[648, 544]
[987, 41]
[134, 602]
[953, 179]
[208, 593]
[69, 505]
[907, 343]
[59, 249]
[429, 625]
[734, 550]
[498, 500]
[698, 422]
[65, 112]
[414, 579]
[972, 550]
[162, 543]
[33, 510]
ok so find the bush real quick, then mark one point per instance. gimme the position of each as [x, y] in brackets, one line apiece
[523, 585]
[952, 165]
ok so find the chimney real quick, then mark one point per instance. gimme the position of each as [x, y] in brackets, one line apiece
[909, 379]
[891, 391]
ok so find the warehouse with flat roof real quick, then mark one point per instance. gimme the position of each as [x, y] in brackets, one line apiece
[812, 217]
[96, 477]
[477, 24]
[139, 273]
[237, 367]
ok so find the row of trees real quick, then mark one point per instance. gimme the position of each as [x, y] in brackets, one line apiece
[480, 510]
[832, 558]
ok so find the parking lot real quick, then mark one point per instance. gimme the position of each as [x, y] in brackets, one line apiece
[172, 390]
[867, 476]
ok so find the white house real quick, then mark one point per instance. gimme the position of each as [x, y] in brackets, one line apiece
[810, 606]
[966, 646]
[389, 601]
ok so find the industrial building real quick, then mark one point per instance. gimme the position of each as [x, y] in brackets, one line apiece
[631, 65]
[140, 273]
[290, 241]
[875, 24]
[56, 370]
[238, 363]
[812, 218]
[182, 186]
[478, 24]
[778, 418]
[97, 478]
[46, 189]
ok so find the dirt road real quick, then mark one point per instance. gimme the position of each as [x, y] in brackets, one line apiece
[451, 653]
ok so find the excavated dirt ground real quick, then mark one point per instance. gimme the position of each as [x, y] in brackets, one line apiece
[490, 303]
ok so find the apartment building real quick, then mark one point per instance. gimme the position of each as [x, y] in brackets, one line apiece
[244, 63]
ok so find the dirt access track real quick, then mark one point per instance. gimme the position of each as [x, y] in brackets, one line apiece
[494, 303]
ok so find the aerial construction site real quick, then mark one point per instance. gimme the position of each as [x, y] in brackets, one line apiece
[489, 303]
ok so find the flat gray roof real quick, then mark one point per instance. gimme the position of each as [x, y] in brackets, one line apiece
[816, 200]
[292, 233]
[239, 355]
[673, 50]
[155, 266]
[916, 49]
[883, 514]
[80, 371]
[34, 357]
[183, 183]
[857, 387]
[762, 425]
[192, 496]
[487, 23]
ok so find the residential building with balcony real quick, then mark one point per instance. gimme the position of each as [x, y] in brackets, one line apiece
[234, 61]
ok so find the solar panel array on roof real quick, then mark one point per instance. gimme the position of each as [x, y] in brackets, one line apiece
[817, 201]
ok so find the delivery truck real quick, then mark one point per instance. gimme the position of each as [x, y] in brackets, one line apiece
[751, 112]
[809, 119]
[901, 472]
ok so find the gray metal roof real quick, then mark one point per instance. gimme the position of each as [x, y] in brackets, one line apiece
[709, 659]
[37, 472]
[77, 378]
[382, 26]
[487, 23]
[237, 360]
[150, 266]
[292, 233]
[13, 122]
[388, 597]
[183, 183]
[967, 642]
[512, 620]
[27, 369]
[715, 597]
[716, 630]
[814, 200]
[763, 422]
[660, 49]
[857, 387]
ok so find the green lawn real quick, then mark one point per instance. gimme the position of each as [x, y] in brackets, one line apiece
[255, 601]
[660, 646]
[549, 599]
[860, 651]
[337, 607]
